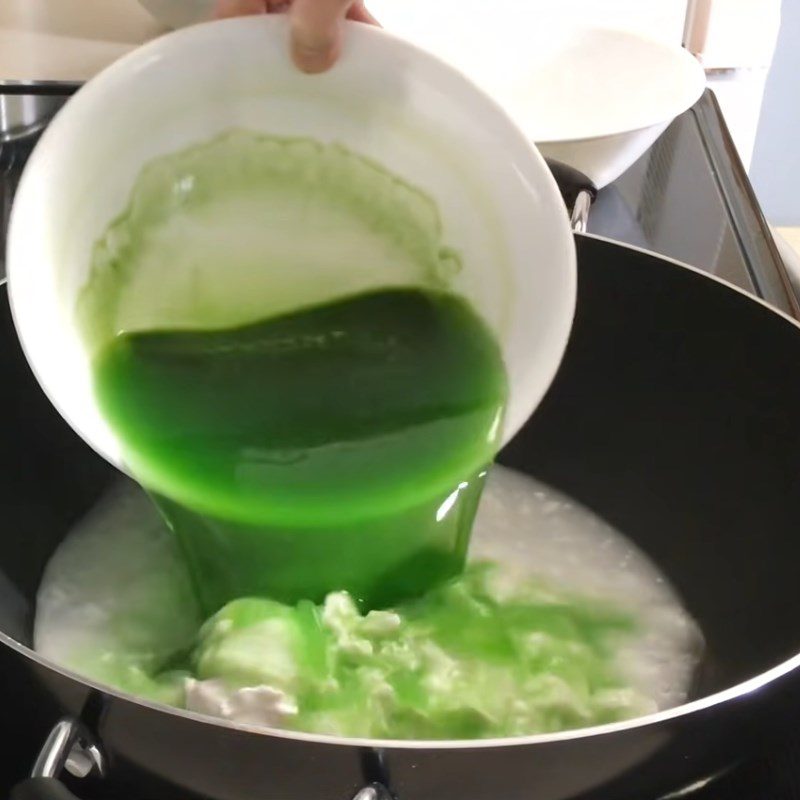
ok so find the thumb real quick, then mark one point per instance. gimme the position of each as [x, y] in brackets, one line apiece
[316, 32]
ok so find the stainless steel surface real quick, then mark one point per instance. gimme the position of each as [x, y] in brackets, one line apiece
[25, 111]
[68, 747]
[579, 218]
[22, 115]
[689, 198]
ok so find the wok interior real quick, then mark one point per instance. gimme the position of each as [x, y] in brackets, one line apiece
[673, 417]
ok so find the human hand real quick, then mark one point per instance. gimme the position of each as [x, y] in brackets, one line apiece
[316, 25]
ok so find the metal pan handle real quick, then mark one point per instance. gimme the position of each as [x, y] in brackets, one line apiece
[69, 747]
[53, 789]
[375, 791]
[578, 191]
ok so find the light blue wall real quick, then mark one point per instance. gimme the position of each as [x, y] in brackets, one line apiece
[775, 170]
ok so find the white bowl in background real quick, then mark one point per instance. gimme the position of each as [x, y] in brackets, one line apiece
[179, 13]
[600, 98]
[499, 205]
[591, 97]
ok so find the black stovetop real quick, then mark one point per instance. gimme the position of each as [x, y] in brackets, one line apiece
[687, 198]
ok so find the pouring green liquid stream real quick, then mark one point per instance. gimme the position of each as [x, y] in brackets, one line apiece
[335, 447]
[308, 418]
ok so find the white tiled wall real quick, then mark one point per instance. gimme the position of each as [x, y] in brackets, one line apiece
[776, 161]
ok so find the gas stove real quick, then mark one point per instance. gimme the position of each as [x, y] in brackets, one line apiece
[687, 198]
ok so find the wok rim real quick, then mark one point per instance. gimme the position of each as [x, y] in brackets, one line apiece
[741, 689]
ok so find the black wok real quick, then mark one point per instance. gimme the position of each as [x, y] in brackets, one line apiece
[674, 416]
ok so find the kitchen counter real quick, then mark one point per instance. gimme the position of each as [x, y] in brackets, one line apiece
[68, 40]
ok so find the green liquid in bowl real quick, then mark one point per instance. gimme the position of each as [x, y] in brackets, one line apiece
[337, 447]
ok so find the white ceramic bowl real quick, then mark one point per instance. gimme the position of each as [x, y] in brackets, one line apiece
[591, 97]
[179, 13]
[420, 118]
[601, 98]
